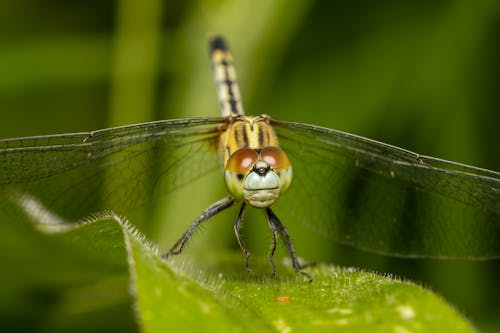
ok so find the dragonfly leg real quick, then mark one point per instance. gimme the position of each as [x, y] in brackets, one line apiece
[243, 247]
[274, 221]
[272, 226]
[215, 208]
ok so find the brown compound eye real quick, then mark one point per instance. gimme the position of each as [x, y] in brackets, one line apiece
[241, 161]
[276, 158]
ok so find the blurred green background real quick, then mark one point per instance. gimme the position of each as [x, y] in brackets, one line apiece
[422, 75]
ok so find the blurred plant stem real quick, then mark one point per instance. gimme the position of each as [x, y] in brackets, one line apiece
[135, 61]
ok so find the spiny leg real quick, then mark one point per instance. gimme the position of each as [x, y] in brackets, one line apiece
[272, 226]
[243, 247]
[274, 221]
[215, 208]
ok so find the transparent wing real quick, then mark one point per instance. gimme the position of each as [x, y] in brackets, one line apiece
[75, 175]
[385, 199]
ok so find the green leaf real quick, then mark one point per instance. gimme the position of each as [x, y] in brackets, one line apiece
[103, 275]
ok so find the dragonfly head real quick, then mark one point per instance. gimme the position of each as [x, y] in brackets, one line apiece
[258, 176]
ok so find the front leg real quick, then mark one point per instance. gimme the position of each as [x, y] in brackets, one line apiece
[215, 208]
[272, 226]
[243, 247]
[276, 225]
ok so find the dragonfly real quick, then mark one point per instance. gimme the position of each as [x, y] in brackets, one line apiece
[356, 191]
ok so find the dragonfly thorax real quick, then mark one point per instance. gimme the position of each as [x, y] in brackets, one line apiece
[258, 176]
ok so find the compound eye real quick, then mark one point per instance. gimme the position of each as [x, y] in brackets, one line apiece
[242, 161]
[276, 158]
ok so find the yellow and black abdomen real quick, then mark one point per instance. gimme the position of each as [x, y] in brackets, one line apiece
[226, 81]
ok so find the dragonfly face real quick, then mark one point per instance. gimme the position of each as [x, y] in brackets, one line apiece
[258, 176]
[256, 170]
